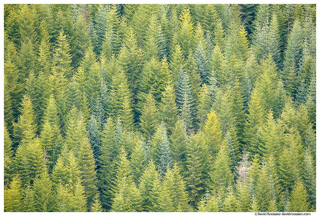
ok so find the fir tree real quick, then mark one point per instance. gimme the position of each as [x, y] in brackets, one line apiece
[13, 196]
[87, 171]
[299, 201]
[149, 118]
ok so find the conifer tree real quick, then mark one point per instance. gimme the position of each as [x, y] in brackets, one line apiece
[219, 64]
[198, 168]
[62, 57]
[254, 121]
[87, 170]
[208, 203]
[192, 71]
[25, 128]
[126, 114]
[149, 189]
[94, 138]
[137, 162]
[13, 196]
[79, 202]
[164, 153]
[186, 33]
[176, 61]
[178, 144]
[29, 161]
[28, 200]
[202, 62]
[149, 118]
[298, 202]
[8, 157]
[263, 191]
[175, 187]
[221, 175]
[310, 178]
[213, 133]
[168, 108]
[96, 205]
[109, 151]
[43, 193]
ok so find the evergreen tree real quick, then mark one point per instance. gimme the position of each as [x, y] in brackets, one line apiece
[221, 175]
[96, 205]
[28, 200]
[178, 144]
[164, 153]
[13, 196]
[25, 128]
[8, 157]
[202, 62]
[149, 189]
[149, 118]
[299, 201]
[43, 193]
[168, 109]
[94, 138]
[87, 171]
[109, 150]
[62, 57]
[137, 161]
[213, 133]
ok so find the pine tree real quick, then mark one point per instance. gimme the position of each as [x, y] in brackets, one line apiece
[192, 71]
[208, 203]
[263, 191]
[87, 170]
[221, 175]
[254, 121]
[243, 197]
[8, 157]
[310, 178]
[28, 200]
[13, 196]
[25, 128]
[43, 193]
[230, 202]
[126, 114]
[137, 161]
[79, 202]
[198, 168]
[238, 109]
[186, 33]
[96, 205]
[149, 189]
[94, 138]
[164, 153]
[168, 109]
[176, 62]
[63, 199]
[29, 161]
[212, 133]
[175, 187]
[149, 118]
[219, 64]
[106, 172]
[62, 57]
[184, 100]
[178, 144]
[298, 202]
[122, 171]
[202, 62]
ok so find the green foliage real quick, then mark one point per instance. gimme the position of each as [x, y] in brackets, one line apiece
[299, 201]
[159, 108]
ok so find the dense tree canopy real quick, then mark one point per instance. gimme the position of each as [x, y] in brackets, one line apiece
[159, 108]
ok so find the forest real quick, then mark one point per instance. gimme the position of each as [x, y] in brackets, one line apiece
[159, 108]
